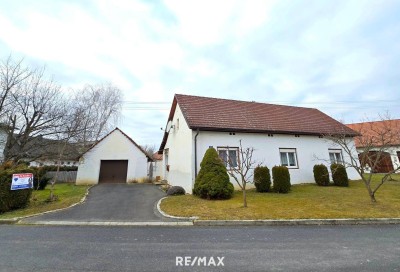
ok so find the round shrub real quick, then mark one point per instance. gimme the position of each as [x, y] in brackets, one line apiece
[281, 177]
[262, 179]
[321, 175]
[339, 175]
[176, 190]
[212, 182]
[10, 200]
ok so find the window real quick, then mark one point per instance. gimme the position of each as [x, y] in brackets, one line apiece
[335, 155]
[288, 157]
[229, 155]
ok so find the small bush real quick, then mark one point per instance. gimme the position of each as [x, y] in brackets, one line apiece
[176, 190]
[321, 175]
[212, 182]
[40, 184]
[262, 179]
[339, 175]
[10, 200]
[281, 177]
[40, 181]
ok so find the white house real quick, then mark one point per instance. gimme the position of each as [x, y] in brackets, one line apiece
[280, 135]
[114, 159]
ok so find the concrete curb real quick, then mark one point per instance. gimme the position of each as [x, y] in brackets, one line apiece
[98, 223]
[298, 222]
[8, 221]
[171, 216]
[17, 220]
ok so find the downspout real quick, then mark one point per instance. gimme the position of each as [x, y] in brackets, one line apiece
[195, 153]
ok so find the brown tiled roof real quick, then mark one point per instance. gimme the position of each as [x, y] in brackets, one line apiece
[372, 133]
[214, 114]
[129, 138]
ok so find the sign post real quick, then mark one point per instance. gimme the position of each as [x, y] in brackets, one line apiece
[22, 181]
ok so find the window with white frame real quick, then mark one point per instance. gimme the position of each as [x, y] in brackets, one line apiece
[229, 155]
[288, 157]
[335, 155]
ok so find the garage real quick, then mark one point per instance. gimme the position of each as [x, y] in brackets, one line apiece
[113, 171]
[116, 158]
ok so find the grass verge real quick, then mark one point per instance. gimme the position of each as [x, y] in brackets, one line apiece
[68, 194]
[305, 201]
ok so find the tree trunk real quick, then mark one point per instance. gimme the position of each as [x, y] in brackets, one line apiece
[244, 197]
[52, 198]
[372, 196]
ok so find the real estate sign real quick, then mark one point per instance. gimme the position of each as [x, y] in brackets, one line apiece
[22, 181]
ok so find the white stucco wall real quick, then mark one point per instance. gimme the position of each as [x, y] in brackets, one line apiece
[158, 169]
[114, 147]
[310, 150]
[178, 153]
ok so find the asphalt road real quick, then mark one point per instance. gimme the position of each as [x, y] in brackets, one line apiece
[295, 248]
[113, 202]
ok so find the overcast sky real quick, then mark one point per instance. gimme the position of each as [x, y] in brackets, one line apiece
[342, 57]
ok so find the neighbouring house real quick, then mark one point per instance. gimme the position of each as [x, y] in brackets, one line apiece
[280, 135]
[157, 167]
[379, 136]
[40, 151]
[116, 158]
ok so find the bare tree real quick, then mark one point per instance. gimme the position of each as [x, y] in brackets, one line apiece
[83, 125]
[149, 149]
[375, 140]
[12, 73]
[36, 112]
[239, 168]
[102, 104]
[72, 127]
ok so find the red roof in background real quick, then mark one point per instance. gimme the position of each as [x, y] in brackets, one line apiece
[215, 114]
[157, 157]
[373, 130]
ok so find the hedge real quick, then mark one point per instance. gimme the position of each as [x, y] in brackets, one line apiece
[262, 179]
[339, 175]
[281, 177]
[10, 200]
[321, 175]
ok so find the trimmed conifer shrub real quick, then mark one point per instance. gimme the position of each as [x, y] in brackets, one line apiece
[339, 175]
[321, 175]
[281, 177]
[10, 200]
[212, 182]
[262, 179]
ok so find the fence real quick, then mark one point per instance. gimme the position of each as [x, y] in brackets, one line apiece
[63, 176]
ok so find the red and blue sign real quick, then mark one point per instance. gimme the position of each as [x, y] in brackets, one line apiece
[22, 181]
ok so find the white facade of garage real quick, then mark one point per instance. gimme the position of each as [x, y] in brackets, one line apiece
[116, 146]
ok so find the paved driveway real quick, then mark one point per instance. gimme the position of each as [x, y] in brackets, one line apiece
[113, 203]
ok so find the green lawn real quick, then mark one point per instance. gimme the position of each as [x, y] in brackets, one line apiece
[304, 201]
[68, 194]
